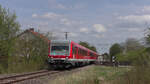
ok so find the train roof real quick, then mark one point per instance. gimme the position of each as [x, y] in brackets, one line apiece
[78, 45]
[61, 41]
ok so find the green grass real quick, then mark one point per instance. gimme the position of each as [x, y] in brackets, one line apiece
[137, 75]
[91, 75]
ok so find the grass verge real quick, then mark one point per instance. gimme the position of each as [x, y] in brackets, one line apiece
[91, 75]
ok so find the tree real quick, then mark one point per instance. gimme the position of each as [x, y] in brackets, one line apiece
[93, 48]
[132, 44]
[114, 50]
[87, 45]
[148, 37]
[130, 50]
[8, 31]
[31, 52]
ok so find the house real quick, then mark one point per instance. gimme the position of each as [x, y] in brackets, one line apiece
[30, 34]
[29, 42]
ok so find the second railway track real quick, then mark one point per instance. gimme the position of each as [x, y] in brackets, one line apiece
[26, 76]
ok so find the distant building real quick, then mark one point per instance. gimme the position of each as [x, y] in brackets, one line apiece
[25, 41]
[30, 34]
[100, 58]
[103, 59]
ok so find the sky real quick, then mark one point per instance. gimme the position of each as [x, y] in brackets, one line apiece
[99, 22]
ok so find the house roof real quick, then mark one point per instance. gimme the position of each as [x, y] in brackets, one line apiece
[31, 30]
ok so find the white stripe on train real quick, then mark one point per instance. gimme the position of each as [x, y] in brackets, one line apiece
[73, 59]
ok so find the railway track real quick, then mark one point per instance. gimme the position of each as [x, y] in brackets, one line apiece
[26, 76]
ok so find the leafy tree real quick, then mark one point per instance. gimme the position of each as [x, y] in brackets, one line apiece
[93, 48]
[30, 54]
[87, 45]
[131, 49]
[114, 50]
[132, 44]
[8, 31]
[148, 37]
[139, 57]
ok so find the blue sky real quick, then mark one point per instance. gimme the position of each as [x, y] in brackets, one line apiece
[100, 22]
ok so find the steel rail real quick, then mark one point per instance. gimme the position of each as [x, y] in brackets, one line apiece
[27, 76]
[19, 75]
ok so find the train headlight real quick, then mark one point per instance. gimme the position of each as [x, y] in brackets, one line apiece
[66, 58]
[49, 59]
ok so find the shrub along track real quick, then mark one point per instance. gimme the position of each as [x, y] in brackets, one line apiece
[26, 76]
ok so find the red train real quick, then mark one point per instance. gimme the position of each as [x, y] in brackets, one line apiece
[65, 54]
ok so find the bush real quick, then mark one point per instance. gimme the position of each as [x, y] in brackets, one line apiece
[8, 31]
[139, 74]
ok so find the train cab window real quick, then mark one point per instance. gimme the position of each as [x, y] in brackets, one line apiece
[59, 48]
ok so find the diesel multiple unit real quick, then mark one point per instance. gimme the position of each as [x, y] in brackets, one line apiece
[65, 54]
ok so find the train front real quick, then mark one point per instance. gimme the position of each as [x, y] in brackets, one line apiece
[59, 53]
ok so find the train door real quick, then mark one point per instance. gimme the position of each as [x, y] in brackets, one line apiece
[76, 52]
[73, 52]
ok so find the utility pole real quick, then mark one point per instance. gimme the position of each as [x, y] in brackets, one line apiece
[66, 35]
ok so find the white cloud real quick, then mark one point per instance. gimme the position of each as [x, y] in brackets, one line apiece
[53, 4]
[34, 15]
[79, 6]
[58, 18]
[98, 36]
[66, 21]
[85, 30]
[73, 34]
[49, 15]
[61, 6]
[99, 28]
[133, 29]
[136, 18]
[42, 23]
[69, 22]
[115, 13]
[146, 9]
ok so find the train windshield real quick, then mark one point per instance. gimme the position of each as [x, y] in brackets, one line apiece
[60, 49]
